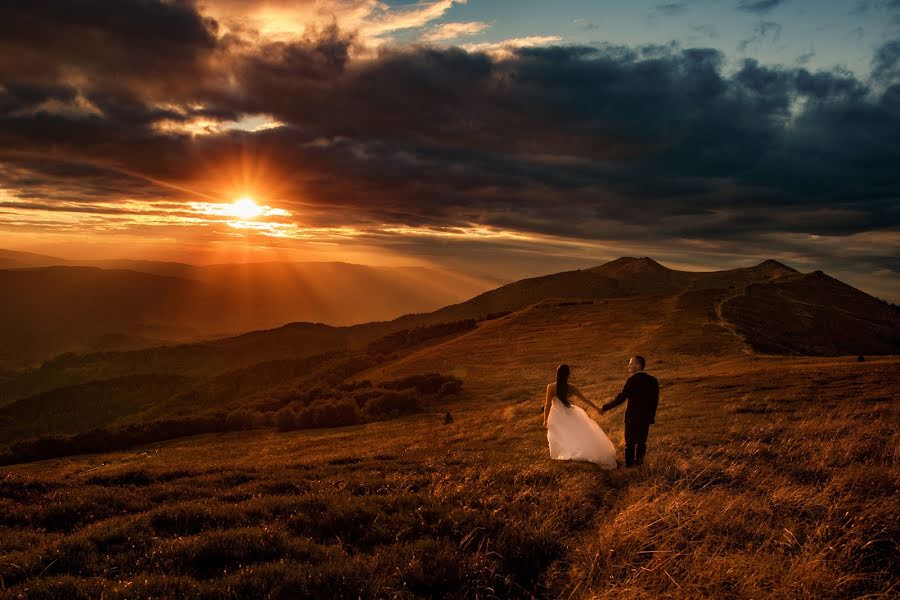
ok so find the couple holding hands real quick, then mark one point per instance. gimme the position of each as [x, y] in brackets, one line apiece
[573, 435]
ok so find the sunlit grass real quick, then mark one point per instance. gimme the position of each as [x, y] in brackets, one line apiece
[760, 483]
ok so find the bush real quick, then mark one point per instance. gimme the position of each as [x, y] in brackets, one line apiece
[328, 414]
[109, 439]
[453, 387]
[241, 419]
[286, 419]
[390, 401]
[423, 384]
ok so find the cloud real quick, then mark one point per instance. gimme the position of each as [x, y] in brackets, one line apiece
[585, 24]
[507, 46]
[523, 145]
[708, 30]
[759, 7]
[371, 21]
[804, 58]
[420, 14]
[886, 63]
[764, 31]
[451, 31]
[671, 9]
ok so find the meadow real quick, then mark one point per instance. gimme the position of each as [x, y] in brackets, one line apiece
[766, 477]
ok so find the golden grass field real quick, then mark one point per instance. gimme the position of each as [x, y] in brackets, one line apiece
[766, 477]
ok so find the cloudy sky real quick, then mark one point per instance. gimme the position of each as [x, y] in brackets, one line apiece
[497, 137]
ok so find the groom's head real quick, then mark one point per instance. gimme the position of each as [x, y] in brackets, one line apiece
[636, 364]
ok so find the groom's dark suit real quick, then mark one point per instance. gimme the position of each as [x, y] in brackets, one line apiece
[642, 392]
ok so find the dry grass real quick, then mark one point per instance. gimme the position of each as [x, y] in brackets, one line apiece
[766, 478]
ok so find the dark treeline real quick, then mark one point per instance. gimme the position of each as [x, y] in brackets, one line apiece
[346, 404]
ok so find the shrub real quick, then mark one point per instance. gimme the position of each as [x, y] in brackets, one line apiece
[423, 384]
[240, 419]
[286, 419]
[452, 387]
[334, 413]
[390, 401]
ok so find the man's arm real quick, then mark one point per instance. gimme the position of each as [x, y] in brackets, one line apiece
[655, 404]
[622, 397]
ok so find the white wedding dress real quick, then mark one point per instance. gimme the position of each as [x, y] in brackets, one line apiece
[573, 435]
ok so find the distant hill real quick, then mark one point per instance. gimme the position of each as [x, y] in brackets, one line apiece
[49, 310]
[593, 319]
[621, 278]
[12, 259]
[813, 314]
[596, 318]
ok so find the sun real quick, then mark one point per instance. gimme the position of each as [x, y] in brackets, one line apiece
[245, 208]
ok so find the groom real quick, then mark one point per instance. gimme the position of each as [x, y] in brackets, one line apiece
[642, 392]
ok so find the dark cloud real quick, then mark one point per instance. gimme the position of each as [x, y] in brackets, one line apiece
[804, 58]
[155, 41]
[886, 63]
[671, 9]
[605, 142]
[764, 31]
[759, 7]
[707, 30]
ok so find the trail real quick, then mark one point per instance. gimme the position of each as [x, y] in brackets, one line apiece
[721, 322]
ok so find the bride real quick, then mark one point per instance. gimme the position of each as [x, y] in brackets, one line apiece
[572, 434]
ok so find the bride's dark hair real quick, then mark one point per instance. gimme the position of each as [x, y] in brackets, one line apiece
[562, 384]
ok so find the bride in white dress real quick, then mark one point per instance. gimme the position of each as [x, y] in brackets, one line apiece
[571, 433]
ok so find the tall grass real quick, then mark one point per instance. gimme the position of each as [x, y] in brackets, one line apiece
[760, 483]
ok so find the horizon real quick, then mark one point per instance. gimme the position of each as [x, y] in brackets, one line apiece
[483, 277]
[461, 135]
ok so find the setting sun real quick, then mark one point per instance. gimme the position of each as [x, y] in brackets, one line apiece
[245, 208]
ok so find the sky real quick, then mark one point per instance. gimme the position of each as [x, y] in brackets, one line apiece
[499, 138]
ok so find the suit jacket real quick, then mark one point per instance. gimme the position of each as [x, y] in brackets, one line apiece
[642, 393]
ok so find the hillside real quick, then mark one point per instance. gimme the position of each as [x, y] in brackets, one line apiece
[754, 463]
[813, 314]
[12, 259]
[621, 278]
[757, 461]
[761, 309]
[51, 310]
[739, 300]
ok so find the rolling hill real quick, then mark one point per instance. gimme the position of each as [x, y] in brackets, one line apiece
[50, 310]
[768, 476]
[593, 319]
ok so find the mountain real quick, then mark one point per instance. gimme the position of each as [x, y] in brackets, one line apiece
[767, 308]
[812, 314]
[620, 278]
[748, 454]
[51, 310]
[12, 259]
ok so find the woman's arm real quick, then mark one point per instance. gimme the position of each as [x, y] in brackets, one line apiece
[577, 393]
[547, 401]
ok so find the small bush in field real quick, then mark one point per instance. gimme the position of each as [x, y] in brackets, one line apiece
[286, 419]
[423, 384]
[354, 385]
[452, 387]
[240, 419]
[390, 401]
[362, 397]
[332, 413]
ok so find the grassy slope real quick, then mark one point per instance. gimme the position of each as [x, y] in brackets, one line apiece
[767, 476]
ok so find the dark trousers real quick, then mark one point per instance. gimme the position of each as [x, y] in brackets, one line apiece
[635, 442]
